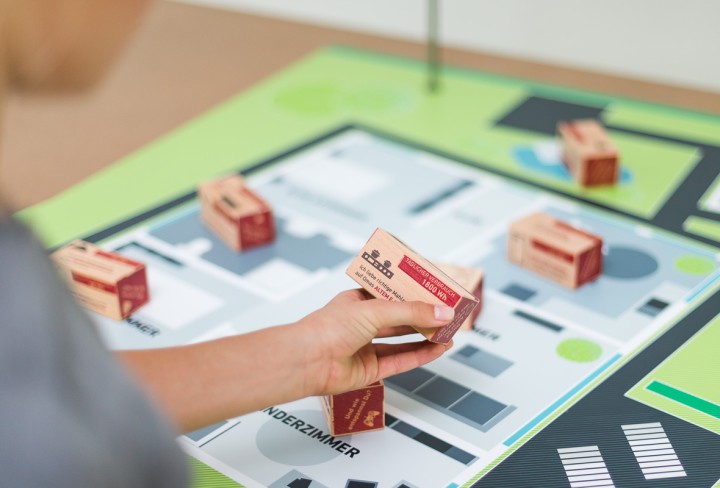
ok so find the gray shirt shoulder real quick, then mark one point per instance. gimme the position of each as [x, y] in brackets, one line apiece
[70, 415]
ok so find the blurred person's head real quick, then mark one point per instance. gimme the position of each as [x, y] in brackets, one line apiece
[62, 44]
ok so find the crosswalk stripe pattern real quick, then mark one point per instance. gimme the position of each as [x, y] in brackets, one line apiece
[653, 451]
[585, 467]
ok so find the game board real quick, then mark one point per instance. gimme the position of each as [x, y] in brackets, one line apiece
[552, 387]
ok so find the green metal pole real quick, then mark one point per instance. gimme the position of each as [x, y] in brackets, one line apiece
[433, 49]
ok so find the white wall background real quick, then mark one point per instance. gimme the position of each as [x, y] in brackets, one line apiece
[669, 41]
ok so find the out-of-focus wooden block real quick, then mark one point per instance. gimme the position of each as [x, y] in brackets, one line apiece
[239, 217]
[102, 281]
[555, 250]
[588, 152]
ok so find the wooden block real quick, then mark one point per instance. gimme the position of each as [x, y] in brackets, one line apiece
[555, 250]
[389, 269]
[104, 282]
[588, 153]
[241, 218]
[472, 280]
[360, 410]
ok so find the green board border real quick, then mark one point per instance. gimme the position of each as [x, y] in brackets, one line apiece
[232, 136]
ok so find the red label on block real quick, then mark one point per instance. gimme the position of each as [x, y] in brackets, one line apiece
[358, 410]
[93, 283]
[429, 281]
[590, 266]
[463, 311]
[133, 292]
[256, 230]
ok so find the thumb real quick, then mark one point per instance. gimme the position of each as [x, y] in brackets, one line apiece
[381, 314]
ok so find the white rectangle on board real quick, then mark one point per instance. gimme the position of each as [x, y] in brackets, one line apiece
[175, 303]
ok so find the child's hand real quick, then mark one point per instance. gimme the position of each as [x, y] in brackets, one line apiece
[341, 355]
[329, 351]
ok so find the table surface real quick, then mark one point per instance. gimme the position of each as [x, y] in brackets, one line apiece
[185, 59]
[486, 121]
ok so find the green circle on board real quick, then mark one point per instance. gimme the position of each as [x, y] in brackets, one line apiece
[377, 99]
[696, 265]
[579, 350]
[313, 100]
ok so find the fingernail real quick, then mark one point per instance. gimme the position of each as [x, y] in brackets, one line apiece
[443, 313]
